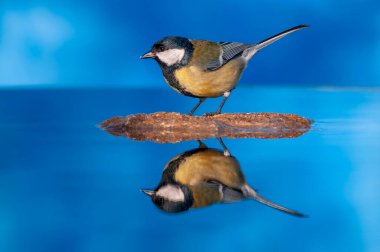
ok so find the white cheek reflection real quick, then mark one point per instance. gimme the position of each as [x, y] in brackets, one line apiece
[171, 192]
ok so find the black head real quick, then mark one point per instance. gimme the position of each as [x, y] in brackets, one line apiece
[171, 51]
[171, 198]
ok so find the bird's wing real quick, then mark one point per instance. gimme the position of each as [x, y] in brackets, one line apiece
[228, 194]
[230, 50]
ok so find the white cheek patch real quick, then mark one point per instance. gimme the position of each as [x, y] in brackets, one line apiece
[172, 193]
[171, 56]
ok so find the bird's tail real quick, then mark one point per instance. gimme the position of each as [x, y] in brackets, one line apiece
[249, 192]
[276, 37]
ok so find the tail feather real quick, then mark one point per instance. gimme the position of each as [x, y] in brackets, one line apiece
[276, 37]
[251, 193]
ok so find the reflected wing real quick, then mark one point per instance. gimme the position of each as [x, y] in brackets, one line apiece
[228, 194]
[230, 50]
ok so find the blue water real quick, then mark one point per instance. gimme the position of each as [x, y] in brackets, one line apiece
[65, 185]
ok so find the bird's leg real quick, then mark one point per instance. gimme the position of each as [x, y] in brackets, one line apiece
[226, 152]
[196, 106]
[202, 145]
[226, 95]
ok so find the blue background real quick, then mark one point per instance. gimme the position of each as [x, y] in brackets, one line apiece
[97, 43]
[65, 185]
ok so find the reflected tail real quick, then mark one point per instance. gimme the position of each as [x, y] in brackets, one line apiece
[249, 192]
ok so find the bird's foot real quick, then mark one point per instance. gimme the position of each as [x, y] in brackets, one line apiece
[211, 114]
[202, 145]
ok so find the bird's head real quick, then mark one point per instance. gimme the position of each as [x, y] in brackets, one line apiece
[171, 51]
[172, 198]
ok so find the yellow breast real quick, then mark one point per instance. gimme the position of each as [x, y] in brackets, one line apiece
[210, 165]
[203, 83]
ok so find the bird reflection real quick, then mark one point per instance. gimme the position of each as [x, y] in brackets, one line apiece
[202, 177]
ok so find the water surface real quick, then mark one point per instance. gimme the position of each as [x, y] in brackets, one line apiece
[65, 185]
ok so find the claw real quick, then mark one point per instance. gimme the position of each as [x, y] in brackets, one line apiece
[211, 114]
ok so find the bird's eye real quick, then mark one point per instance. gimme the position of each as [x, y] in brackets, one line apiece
[161, 48]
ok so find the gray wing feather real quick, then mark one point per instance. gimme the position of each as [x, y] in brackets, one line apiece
[231, 195]
[230, 50]
[228, 194]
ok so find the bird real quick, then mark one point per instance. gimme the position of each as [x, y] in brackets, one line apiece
[202, 177]
[205, 69]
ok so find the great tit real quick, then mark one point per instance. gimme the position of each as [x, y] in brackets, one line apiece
[205, 69]
[201, 177]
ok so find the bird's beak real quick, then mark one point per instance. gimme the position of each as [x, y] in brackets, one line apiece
[148, 55]
[148, 192]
